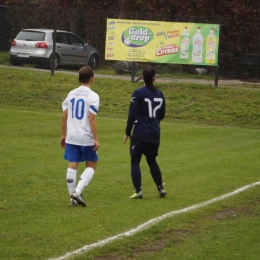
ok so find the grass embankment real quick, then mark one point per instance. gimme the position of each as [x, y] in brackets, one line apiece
[193, 103]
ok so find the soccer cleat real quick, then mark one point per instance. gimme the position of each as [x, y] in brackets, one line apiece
[136, 196]
[73, 202]
[78, 198]
[162, 193]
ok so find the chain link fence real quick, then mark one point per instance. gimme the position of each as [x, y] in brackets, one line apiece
[239, 62]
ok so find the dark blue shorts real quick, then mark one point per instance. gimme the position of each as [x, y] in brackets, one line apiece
[77, 153]
[139, 147]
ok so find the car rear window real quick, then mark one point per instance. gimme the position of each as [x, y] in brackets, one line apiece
[30, 36]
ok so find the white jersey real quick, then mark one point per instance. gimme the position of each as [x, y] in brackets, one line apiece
[80, 102]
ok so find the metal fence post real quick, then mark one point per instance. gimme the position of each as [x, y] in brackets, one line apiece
[2, 27]
[217, 68]
[54, 40]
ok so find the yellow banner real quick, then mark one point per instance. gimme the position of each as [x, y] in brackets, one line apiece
[162, 42]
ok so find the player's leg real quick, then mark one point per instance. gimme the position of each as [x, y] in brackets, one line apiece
[136, 155]
[72, 176]
[86, 176]
[136, 172]
[151, 152]
[72, 182]
[90, 157]
[155, 171]
[72, 154]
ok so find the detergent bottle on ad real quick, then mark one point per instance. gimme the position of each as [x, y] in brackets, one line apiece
[211, 42]
[197, 47]
[185, 44]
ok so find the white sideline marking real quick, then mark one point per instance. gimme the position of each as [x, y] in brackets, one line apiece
[152, 222]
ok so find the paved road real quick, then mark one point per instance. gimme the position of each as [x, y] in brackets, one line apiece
[221, 83]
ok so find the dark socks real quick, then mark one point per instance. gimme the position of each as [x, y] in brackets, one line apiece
[136, 173]
[155, 172]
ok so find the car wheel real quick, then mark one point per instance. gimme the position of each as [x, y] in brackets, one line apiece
[93, 61]
[15, 63]
[54, 59]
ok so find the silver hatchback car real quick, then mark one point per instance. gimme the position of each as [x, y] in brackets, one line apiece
[35, 46]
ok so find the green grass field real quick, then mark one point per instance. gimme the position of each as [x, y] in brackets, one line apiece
[210, 146]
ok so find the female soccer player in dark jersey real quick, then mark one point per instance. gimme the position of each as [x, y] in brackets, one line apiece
[147, 109]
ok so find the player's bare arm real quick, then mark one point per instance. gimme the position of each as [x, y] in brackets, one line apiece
[93, 126]
[63, 128]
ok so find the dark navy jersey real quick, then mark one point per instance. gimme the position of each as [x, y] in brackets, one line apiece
[146, 110]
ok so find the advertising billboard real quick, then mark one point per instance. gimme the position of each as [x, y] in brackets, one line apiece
[162, 42]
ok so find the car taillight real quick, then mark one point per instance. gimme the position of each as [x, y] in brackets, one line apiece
[13, 43]
[42, 45]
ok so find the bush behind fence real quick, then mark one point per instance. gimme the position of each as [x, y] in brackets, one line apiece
[238, 57]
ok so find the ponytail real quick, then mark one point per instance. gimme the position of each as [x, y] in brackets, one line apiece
[148, 76]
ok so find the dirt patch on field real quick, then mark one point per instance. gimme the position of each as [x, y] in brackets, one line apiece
[170, 237]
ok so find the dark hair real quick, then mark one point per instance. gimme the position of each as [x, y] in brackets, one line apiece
[148, 75]
[85, 74]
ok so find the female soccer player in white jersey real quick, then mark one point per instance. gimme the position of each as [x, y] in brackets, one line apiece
[147, 109]
[79, 134]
